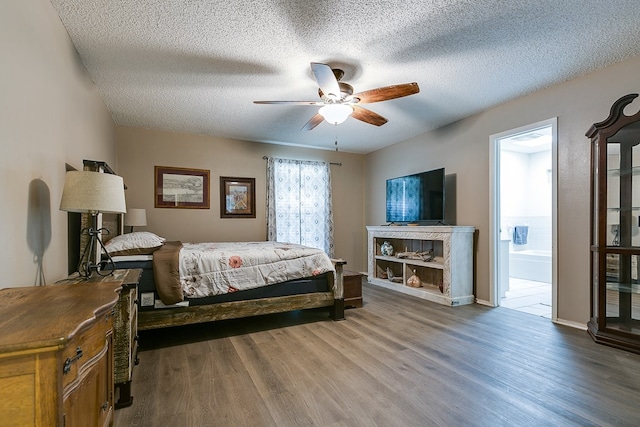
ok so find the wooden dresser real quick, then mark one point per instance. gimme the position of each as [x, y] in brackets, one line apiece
[125, 329]
[56, 354]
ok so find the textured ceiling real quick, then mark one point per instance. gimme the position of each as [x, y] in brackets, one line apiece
[195, 66]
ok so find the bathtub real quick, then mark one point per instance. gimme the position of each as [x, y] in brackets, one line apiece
[530, 265]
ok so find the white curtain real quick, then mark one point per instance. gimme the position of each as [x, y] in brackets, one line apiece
[299, 208]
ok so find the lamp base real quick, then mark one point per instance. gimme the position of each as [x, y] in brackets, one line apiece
[86, 266]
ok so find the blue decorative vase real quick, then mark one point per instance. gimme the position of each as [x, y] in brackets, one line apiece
[386, 249]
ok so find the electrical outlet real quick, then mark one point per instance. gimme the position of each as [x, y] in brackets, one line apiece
[146, 299]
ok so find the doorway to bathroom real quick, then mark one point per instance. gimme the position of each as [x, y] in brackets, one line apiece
[523, 219]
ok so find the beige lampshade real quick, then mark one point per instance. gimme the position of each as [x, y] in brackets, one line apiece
[135, 217]
[86, 191]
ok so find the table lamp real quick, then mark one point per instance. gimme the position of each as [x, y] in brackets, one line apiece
[135, 218]
[93, 193]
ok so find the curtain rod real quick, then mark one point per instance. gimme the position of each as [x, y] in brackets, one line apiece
[331, 163]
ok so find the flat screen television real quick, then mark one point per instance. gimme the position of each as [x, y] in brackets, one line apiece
[417, 198]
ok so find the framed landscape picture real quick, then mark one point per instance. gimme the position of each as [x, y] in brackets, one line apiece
[237, 197]
[181, 188]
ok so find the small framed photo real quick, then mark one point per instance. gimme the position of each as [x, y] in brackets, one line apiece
[181, 188]
[237, 197]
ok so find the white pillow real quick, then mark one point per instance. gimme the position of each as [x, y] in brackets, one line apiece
[137, 242]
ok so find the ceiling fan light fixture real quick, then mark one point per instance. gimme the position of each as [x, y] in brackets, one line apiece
[335, 113]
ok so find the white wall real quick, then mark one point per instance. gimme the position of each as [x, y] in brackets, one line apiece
[463, 149]
[514, 183]
[526, 197]
[50, 114]
[539, 203]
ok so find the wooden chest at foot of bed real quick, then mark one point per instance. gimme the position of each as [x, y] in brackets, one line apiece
[352, 283]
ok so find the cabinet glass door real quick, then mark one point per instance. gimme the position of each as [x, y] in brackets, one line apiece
[622, 296]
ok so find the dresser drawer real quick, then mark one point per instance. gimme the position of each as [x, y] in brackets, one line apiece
[89, 401]
[82, 350]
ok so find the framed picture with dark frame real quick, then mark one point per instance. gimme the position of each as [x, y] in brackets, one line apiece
[181, 188]
[237, 197]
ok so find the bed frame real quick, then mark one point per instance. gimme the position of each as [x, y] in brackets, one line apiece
[162, 318]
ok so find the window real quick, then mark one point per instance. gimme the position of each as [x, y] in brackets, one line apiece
[299, 208]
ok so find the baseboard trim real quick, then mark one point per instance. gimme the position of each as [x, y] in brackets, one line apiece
[571, 324]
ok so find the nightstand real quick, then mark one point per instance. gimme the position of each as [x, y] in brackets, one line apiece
[352, 282]
[125, 337]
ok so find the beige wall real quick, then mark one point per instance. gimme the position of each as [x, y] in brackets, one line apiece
[463, 149]
[50, 114]
[139, 150]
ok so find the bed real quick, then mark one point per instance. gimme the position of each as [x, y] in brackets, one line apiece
[187, 283]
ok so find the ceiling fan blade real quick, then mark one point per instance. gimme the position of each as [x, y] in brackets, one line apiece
[367, 116]
[290, 102]
[313, 122]
[326, 79]
[386, 93]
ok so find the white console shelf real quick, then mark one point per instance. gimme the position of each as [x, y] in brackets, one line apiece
[446, 279]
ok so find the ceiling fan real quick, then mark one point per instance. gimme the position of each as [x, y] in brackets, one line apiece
[339, 102]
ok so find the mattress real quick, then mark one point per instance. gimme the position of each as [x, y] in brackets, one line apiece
[148, 298]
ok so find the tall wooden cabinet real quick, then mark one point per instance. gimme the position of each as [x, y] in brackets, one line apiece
[56, 355]
[615, 228]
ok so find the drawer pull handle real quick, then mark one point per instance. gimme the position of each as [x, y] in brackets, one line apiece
[67, 363]
[105, 406]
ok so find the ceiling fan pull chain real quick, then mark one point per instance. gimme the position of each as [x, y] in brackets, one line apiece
[336, 144]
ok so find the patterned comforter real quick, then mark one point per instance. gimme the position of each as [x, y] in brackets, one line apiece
[217, 268]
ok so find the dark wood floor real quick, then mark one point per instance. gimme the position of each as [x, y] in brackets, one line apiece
[397, 361]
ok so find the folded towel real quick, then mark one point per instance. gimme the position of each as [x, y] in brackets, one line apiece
[520, 234]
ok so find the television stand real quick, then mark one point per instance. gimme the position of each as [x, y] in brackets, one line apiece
[440, 256]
